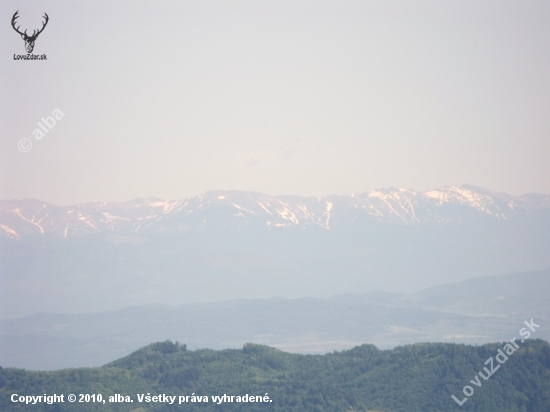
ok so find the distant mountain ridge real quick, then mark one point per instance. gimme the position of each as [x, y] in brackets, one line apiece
[475, 311]
[28, 217]
[225, 245]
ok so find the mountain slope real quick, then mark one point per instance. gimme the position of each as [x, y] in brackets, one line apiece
[23, 218]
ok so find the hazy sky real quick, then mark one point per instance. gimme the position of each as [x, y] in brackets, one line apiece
[173, 98]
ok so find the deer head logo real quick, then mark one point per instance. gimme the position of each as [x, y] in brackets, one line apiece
[29, 40]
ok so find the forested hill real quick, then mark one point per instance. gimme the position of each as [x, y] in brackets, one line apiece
[419, 377]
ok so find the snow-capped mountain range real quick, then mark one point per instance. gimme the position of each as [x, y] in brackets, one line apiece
[28, 217]
[243, 245]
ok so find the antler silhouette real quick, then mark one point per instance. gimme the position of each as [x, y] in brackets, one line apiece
[34, 36]
[15, 17]
[29, 40]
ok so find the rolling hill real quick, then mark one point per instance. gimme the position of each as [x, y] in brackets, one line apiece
[475, 311]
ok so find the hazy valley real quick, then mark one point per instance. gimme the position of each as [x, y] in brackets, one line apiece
[480, 310]
[86, 284]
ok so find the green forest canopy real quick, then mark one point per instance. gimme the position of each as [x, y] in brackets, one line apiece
[418, 377]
